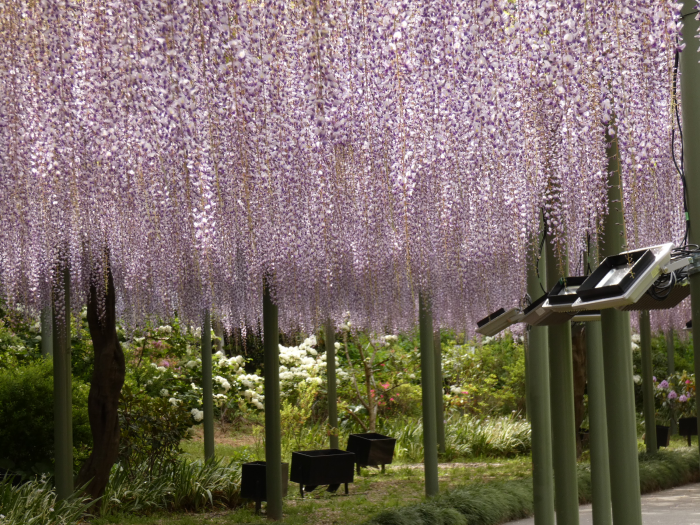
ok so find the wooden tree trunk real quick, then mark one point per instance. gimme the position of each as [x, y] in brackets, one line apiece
[103, 401]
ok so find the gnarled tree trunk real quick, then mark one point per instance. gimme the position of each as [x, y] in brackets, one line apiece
[103, 401]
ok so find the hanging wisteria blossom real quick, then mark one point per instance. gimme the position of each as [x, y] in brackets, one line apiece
[355, 153]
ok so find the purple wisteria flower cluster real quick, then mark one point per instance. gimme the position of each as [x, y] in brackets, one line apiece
[356, 153]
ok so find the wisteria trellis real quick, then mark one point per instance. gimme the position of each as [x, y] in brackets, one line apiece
[356, 151]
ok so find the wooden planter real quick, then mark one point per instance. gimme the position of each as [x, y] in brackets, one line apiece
[330, 467]
[254, 482]
[663, 436]
[688, 426]
[371, 449]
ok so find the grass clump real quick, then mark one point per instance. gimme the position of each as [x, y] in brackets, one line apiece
[180, 486]
[34, 503]
[498, 502]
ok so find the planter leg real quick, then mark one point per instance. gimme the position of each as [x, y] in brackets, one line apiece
[689, 440]
[383, 469]
[301, 490]
[346, 489]
[358, 469]
[258, 505]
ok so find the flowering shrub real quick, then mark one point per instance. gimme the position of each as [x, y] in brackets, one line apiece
[675, 396]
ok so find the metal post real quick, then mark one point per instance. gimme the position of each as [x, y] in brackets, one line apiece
[63, 395]
[598, 425]
[690, 84]
[332, 384]
[427, 365]
[564, 429]
[647, 381]
[46, 337]
[439, 393]
[617, 358]
[671, 364]
[207, 387]
[528, 401]
[539, 408]
[273, 434]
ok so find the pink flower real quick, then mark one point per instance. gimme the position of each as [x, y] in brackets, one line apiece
[687, 381]
[386, 386]
[391, 398]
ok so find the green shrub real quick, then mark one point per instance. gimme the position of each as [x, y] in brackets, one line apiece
[27, 419]
[151, 428]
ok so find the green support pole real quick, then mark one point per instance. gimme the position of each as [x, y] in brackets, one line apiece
[273, 434]
[564, 429]
[617, 358]
[671, 364]
[439, 394]
[46, 337]
[598, 425]
[62, 395]
[207, 387]
[647, 381]
[690, 87]
[427, 365]
[539, 408]
[332, 384]
[528, 401]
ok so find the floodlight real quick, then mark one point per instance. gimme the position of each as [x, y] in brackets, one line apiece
[537, 315]
[564, 294]
[669, 289]
[622, 279]
[498, 321]
[586, 316]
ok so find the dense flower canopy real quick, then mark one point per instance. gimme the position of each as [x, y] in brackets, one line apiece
[356, 153]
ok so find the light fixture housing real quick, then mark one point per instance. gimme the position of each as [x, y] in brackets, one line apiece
[679, 291]
[537, 315]
[562, 297]
[587, 316]
[498, 321]
[623, 279]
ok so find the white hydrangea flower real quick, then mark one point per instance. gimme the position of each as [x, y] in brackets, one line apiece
[198, 415]
[337, 345]
[161, 369]
[240, 359]
[174, 402]
[191, 364]
[164, 392]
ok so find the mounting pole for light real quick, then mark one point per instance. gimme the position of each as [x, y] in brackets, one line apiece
[62, 385]
[617, 356]
[564, 430]
[207, 388]
[439, 394]
[598, 424]
[647, 381]
[671, 365]
[540, 407]
[427, 365]
[331, 381]
[273, 433]
[46, 337]
[690, 87]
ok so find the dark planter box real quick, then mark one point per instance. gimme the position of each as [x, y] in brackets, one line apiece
[639, 260]
[330, 467]
[663, 436]
[371, 449]
[254, 481]
[688, 426]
